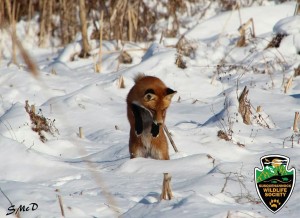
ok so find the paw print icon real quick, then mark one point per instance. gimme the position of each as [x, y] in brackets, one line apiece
[274, 203]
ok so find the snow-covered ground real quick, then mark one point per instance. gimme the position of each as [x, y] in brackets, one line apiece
[211, 177]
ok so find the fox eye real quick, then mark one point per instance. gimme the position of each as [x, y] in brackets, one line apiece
[148, 97]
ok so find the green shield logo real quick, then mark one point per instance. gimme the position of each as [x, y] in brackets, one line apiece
[274, 182]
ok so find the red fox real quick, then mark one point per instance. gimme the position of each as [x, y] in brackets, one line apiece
[147, 104]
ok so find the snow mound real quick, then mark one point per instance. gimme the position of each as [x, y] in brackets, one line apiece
[195, 163]
[288, 26]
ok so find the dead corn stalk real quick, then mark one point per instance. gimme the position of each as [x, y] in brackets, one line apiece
[60, 203]
[170, 138]
[242, 29]
[288, 84]
[11, 11]
[295, 126]
[133, 22]
[121, 83]
[85, 43]
[244, 106]
[297, 8]
[99, 64]
[81, 135]
[166, 188]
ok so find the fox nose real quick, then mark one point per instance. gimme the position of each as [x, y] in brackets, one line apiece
[155, 129]
[157, 122]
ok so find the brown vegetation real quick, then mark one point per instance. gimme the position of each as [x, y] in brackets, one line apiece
[166, 193]
[40, 124]
[124, 20]
[244, 106]
[275, 42]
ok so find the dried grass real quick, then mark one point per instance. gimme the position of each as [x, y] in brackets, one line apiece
[223, 135]
[124, 20]
[166, 193]
[244, 106]
[288, 84]
[243, 29]
[180, 62]
[121, 83]
[297, 71]
[275, 42]
[125, 58]
[40, 124]
[186, 47]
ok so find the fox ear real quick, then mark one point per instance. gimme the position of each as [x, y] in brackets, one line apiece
[169, 94]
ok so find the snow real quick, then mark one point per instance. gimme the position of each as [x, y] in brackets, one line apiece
[227, 23]
[94, 175]
[289, 25]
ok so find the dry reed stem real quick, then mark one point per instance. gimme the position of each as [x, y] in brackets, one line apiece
[100, 46]
[130, 25]
[81, 135]
[121, 83]
[42, 24]
[244, 106]
[8, 10]
[61, 206]
[259, 119]
[166, 188]
[82, 15]
[63, 21]
[161, 37]
[258, 109]
[137, 22]
[288, 84]
[170, 138]
[297, 71]
[29, 15]
[117, 18]
[295, 126]
[242, 29]
[14, 34]
[49, 15]
[297, 8]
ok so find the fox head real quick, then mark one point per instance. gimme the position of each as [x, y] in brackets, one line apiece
[151, 99]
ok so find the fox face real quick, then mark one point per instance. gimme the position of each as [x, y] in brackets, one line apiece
[147, 104]
[150, 107]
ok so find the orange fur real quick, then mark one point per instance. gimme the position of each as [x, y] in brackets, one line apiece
[147, 103]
